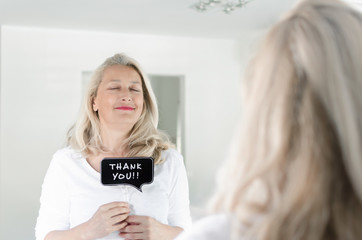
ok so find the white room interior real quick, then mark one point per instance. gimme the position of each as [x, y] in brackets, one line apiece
[42, 79]
[44, 54]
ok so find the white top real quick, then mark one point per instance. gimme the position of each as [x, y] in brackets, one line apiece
[215, 227]
[72, 192]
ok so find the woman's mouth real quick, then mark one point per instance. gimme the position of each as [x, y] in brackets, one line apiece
[125, 108]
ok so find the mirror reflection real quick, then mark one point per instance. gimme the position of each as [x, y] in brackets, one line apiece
[45, 59]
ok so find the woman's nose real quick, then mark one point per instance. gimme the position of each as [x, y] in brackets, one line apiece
[126, 99]
[125, 95]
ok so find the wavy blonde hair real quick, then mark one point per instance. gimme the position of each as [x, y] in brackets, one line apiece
[144, 138]
[298, 170]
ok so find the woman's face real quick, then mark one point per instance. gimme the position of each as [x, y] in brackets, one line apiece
[119, 99]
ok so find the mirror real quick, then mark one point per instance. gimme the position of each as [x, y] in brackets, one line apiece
[41, 81]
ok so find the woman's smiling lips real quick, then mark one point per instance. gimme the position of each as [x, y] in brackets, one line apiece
[125, 108]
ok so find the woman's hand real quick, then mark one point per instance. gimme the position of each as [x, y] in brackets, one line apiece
[147, 228]
[108, 218]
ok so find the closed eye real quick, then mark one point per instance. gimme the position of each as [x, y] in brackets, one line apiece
[114, 88]
[135, 90]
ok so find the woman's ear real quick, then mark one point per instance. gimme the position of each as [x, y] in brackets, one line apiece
[95, 108]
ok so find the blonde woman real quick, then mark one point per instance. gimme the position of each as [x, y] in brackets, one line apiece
[298, 172]
[118, 118]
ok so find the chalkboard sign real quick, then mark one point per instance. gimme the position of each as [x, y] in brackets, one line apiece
[134, 171]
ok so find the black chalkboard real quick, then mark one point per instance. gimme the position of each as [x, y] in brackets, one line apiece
[134, 171]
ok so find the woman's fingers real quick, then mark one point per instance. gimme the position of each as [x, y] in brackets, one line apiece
[132, 236]
[133, 228]
[134, 219]
[117, 213]
[108, 218]
[119, 218]
[119, 226]
[139, 227]
[113, 212]
[115, 205]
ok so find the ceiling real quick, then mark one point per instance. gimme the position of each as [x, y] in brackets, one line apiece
[156, 17]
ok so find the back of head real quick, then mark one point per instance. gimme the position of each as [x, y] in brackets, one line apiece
[298, 171]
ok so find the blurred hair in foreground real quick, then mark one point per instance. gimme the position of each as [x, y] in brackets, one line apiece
[298, 171]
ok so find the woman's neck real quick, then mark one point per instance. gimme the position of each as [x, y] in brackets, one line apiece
[114, 140]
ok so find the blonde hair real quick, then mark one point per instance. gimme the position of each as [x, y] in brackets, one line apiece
[144, 138]
[298, 171]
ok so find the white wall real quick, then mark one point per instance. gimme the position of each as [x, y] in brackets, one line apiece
[40, 96]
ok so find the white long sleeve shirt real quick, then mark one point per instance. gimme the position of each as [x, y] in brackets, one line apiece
[72, 192]
[214, 227]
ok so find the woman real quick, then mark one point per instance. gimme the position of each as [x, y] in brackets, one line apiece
[297, 174]
[118, 119]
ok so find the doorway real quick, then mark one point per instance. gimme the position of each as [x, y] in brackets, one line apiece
[169, 91]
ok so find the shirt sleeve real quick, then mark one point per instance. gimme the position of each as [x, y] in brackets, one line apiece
[54, 200]
[179, 204]
[214, 227]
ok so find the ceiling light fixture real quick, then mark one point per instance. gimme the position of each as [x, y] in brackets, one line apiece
[227, 6]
